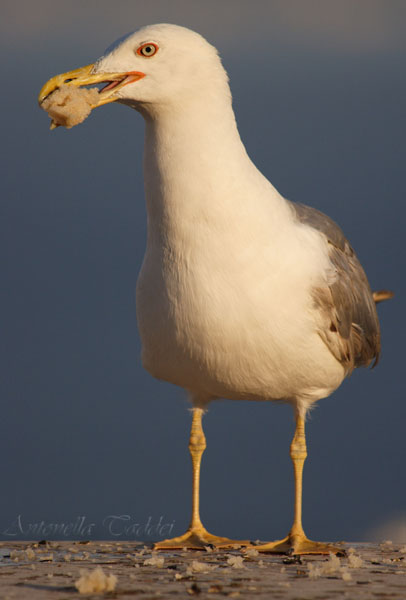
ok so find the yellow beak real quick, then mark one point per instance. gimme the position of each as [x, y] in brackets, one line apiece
[85, 76]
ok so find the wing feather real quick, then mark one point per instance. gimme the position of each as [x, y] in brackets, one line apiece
[349, 323]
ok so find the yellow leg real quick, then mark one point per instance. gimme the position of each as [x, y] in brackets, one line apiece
[296, 541]
[197, 537]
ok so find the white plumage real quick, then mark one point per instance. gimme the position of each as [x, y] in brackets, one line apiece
[241, 295]
[224, 295]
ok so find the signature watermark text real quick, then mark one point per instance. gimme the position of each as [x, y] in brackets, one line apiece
[81, 527]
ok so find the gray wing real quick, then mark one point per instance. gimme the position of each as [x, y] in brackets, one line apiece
[350, 326]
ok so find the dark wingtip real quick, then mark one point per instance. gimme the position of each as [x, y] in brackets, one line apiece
[382, 295]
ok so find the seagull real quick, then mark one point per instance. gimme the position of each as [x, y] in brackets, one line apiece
[242, 294]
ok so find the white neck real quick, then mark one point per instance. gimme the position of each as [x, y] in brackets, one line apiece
[194, 161]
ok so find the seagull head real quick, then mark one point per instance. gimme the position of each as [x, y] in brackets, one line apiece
[156, 66]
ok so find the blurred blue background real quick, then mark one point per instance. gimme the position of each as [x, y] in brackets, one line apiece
[319, 92]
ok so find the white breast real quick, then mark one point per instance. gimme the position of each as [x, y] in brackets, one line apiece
[224, 295]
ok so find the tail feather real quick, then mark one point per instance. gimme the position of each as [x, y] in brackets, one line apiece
[382, 295]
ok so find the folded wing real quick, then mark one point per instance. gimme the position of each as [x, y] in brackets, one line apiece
[348, 322]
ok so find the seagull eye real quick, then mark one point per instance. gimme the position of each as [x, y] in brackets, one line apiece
[147, 50]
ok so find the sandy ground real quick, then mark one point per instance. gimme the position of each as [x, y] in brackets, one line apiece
[49, 570]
